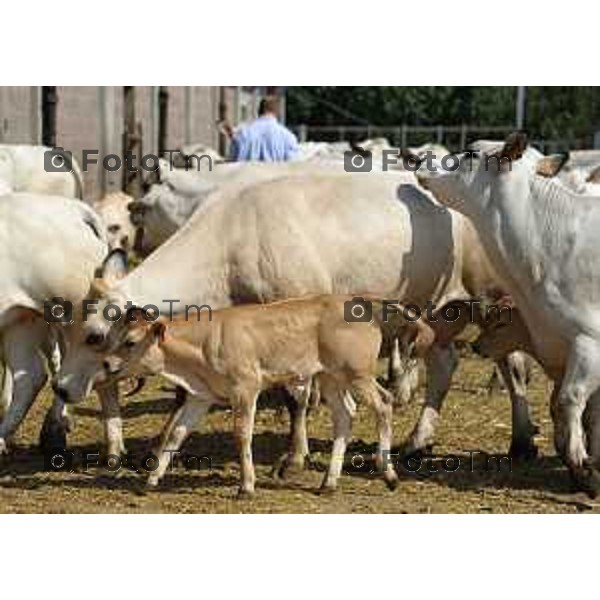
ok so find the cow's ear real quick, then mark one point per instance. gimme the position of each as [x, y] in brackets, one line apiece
[514, 146]
[594, 176]
[549, 166]
[114, 266]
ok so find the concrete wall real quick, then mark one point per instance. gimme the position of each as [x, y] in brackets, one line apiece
[92, 118]
[20, 117]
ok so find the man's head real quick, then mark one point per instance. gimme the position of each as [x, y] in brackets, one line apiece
[269, 105]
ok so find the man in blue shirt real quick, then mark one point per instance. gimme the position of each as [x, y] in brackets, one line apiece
[265, 139]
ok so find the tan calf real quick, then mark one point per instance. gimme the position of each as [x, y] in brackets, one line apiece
[246, 349]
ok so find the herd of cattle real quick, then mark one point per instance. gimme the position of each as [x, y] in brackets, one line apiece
[293, 243]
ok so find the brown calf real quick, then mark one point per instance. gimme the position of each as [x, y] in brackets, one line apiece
[246, 349]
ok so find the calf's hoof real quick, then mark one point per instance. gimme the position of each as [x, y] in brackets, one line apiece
[152, 482]
[523, 450]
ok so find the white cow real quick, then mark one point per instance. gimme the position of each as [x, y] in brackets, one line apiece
[168, 205]
[543, 240]
[49, 250]
[23, 169]
[298, 235]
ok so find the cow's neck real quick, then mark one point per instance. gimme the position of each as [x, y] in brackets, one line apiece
[191, 268]
[513, 239]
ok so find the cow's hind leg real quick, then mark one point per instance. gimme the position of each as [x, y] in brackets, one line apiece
[21, 353]
[581, 380]
[7, 389]
[57, 421]
[441, 362]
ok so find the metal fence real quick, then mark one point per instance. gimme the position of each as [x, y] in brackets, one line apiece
[454, 137]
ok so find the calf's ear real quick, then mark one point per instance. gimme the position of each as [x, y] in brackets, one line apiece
[549, 166]
[158, 330]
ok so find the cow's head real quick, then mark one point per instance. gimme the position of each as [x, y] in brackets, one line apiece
[113, 209]
[90, 337]
[157, 216]
[468, 184]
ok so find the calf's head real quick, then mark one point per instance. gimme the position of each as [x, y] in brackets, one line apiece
[502, 335]
[128, 348]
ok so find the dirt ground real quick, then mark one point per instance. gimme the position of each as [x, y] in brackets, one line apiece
[471, 421]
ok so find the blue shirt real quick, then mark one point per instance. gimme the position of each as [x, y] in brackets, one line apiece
[265, 139]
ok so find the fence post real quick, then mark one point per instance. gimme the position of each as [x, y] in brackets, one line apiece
[163, 119]
[403, 136]
[302, 133]
[440, 134]
[341, 133]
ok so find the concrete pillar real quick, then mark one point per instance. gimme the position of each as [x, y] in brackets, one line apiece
[109, 142]
[36, 115]
[189, 114]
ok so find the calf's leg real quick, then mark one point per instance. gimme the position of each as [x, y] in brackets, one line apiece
[513, 371]
[111, 415]
[403, 374]
[366, 390]
[342, 409]
[243, 403]
[298, 453]
[179, 427]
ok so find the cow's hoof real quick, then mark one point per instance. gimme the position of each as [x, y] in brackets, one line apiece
[292, 465]
[391, 481]
[327, 488]
[523, 450]
[53, 433]
[244, 494]
[587, 479]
